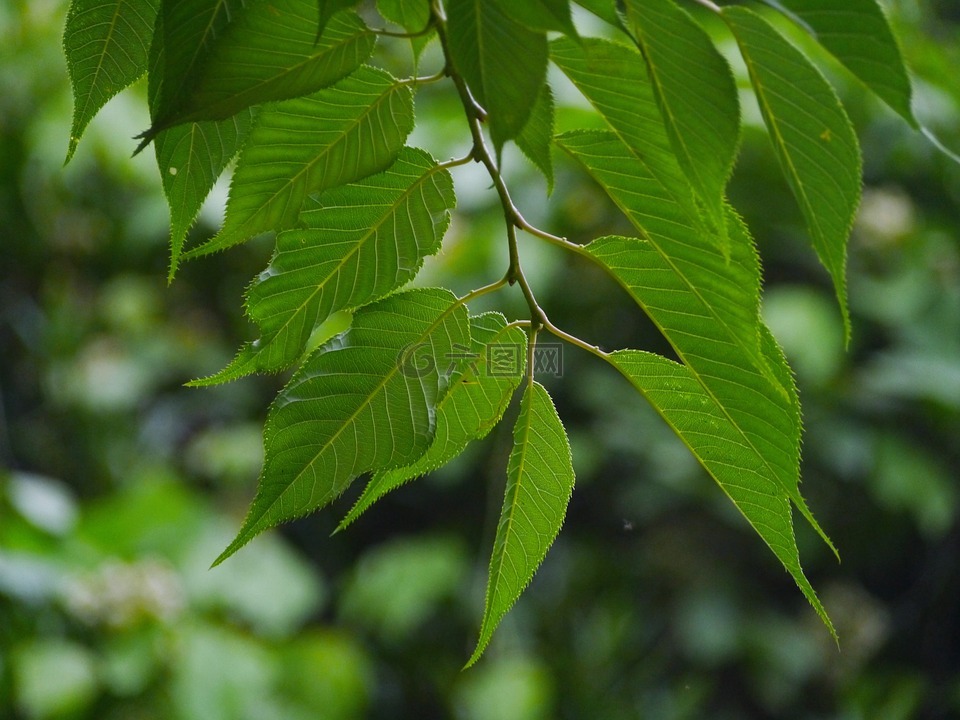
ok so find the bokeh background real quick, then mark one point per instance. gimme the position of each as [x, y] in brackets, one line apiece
[118, 486]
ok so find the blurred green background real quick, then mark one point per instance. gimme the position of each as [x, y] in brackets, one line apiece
[118, 486]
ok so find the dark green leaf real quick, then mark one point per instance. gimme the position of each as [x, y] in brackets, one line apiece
[857, 33]
[187, 31]
[541, 14]
[603, 9]
[365, 401]
[478, 396]
[358, 243]
[269, 54]
[411, 15]
[537, 137]
[310, 144]
[539, 485]
[814, 141]
[107, 45]
[697, 96]
[504, 63]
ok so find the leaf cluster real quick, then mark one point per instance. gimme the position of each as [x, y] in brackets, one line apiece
[287, 90]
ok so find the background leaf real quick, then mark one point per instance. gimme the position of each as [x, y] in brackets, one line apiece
[539, 485]
[695, 90]
[857, 33]
[812, 136]
[364, 401]
[358, 243]
[107, 44]
[310, 144]
[504, 63]
[478, 396]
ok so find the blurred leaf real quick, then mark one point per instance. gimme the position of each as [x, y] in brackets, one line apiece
[539, 485]
[54, 678]
[512, 688]
[411, 15]
[397, 586]
[327, 674]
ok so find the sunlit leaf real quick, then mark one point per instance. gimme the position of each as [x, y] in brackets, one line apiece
[366, 400]
[358, 242]
[310, 144]
[857, 33]
[107, 46]
[479, 393]
[811, 133]
[697, 96]
[737, 465]
[539, 485]
[503, 62]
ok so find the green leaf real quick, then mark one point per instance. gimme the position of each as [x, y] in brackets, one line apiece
[327, 9]
[478, 396]
[603, 9]
[697, 95]
[267, 54]
[365, 401]
[504, 63]
[857, 33]
[358, 243]
[614, 80]
[541, 14]
[539, 485]
[812, 136]
[107, 47]
[311, 144]
[411, 15]
[536, 138]
[706, 303]
[187, 31]
[738, 466]
[191, 157]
